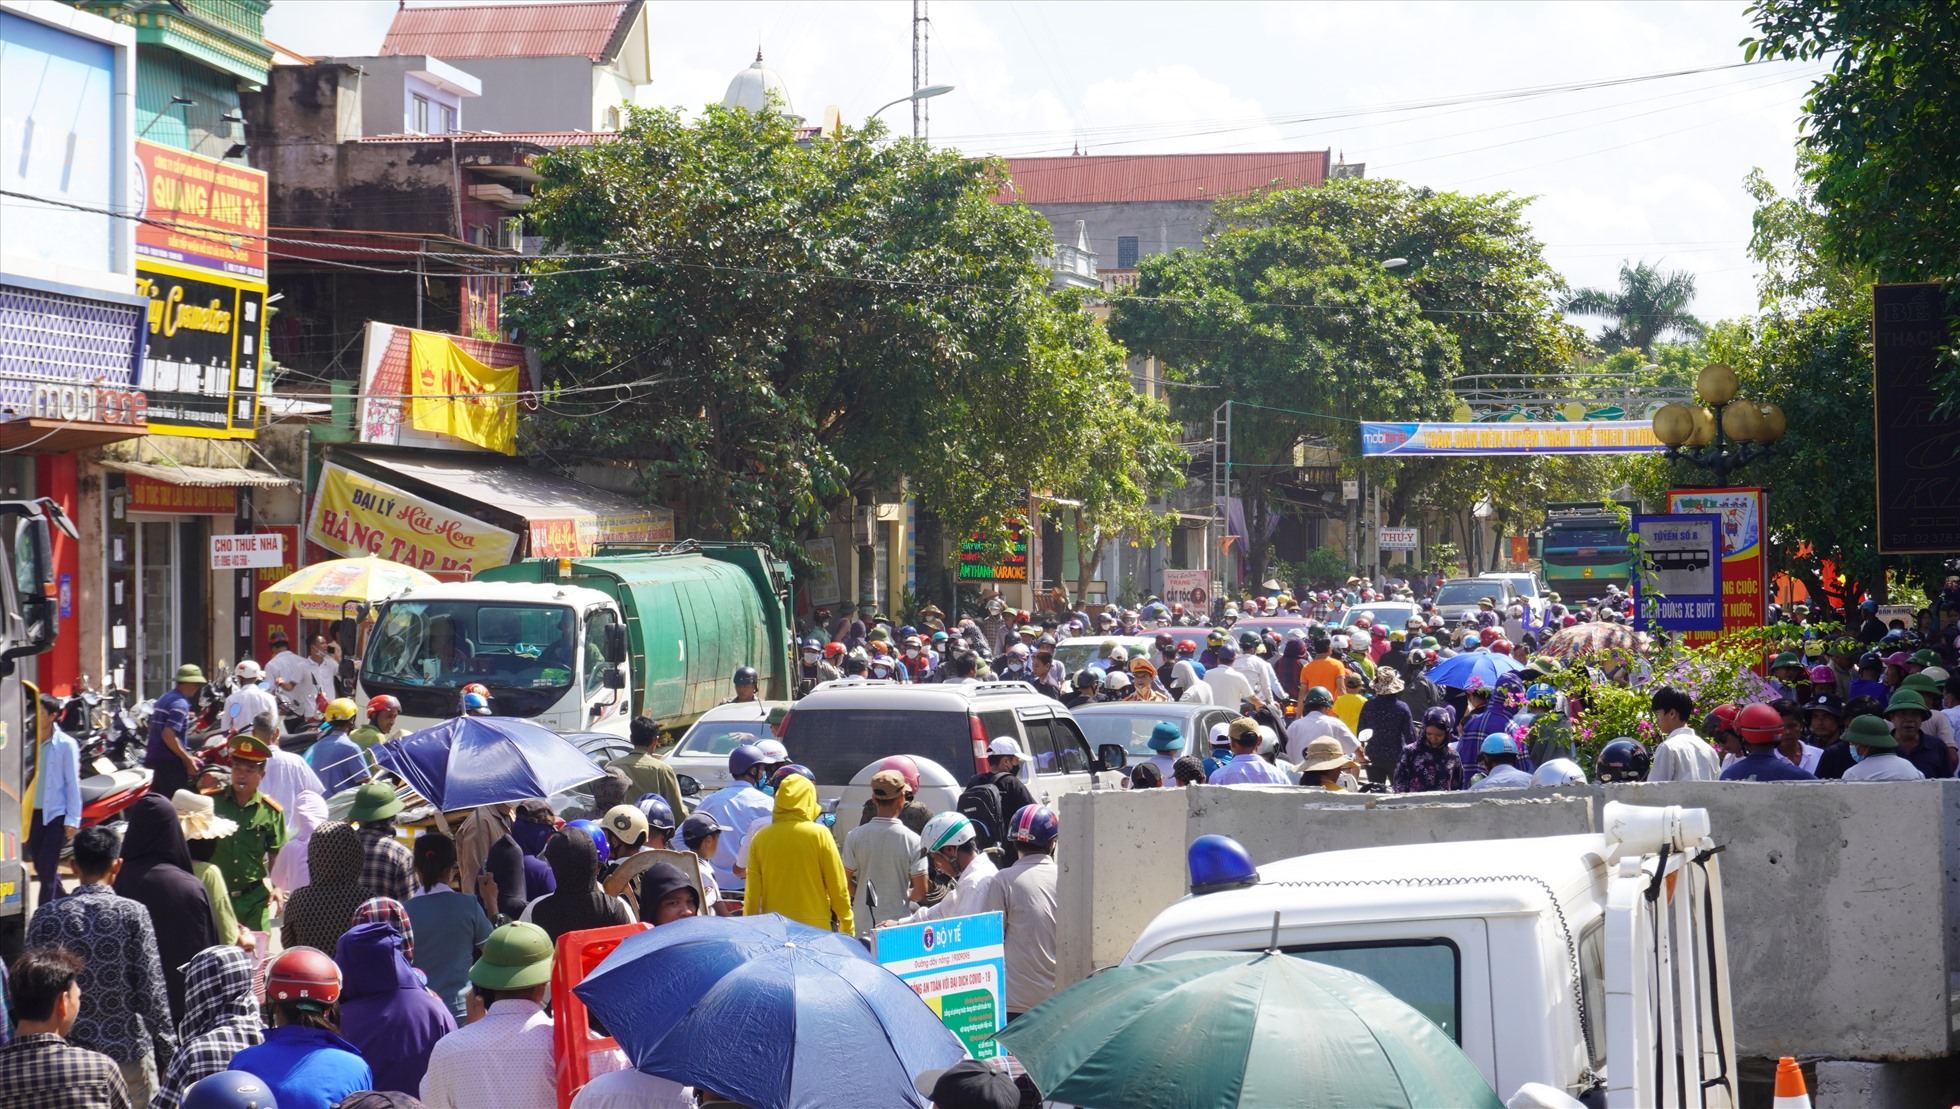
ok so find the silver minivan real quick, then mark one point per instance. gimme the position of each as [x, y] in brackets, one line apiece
[841, 727]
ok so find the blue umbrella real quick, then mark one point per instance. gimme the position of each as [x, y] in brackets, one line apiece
[768, 1012]
[1483, 666]
[485, 760]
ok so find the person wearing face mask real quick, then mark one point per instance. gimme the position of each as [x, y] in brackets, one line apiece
[813, 670]
[914, 657]
[1876, 752]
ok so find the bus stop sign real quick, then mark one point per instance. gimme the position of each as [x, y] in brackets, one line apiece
[1678, 587]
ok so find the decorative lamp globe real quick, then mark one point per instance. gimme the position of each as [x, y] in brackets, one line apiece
[1673, 424]
[1743, 422]
[1774, 423]
[1716, 384]
[1704, 432]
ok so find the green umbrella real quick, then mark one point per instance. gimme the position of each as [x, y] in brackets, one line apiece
[1208, 1030]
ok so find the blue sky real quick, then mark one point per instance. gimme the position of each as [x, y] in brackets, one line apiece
[1651, 170]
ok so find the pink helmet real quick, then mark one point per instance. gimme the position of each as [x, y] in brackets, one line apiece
[906, 768]
[1821, 675]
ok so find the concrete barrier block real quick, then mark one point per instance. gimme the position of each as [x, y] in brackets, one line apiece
[1839, 922]
[1121, 860]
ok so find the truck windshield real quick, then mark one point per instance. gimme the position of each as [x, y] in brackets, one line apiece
[524, 653]
[1422, 973]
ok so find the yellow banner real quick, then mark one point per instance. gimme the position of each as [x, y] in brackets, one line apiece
[451, 393]
[355, 515]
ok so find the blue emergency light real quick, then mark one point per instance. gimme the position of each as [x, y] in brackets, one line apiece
[1219, 863]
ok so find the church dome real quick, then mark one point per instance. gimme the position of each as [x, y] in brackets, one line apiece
[753, 87]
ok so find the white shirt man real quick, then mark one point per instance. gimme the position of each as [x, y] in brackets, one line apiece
[963, 898]
[1883, 766]
[1024, 895]
[1684, 757]
[1228, 687]
[249, 699]
[1317, 724]
[292, 674]
[1260, 675]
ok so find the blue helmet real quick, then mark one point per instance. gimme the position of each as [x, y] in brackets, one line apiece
[1541, 691]
[598, 834]
[745, 758]
[659, 814]
[229, 1089]
[473, 702]
[1033, 824]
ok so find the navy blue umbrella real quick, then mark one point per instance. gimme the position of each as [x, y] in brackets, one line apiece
[768, 1012]
[1482, 667]
[485, 760]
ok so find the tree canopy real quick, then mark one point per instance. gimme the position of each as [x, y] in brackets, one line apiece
[1647, 305]
[1288, 312]
[787, 324]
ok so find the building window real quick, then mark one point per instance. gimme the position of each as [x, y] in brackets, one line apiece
[1126, 252]
[418, 116]
[446, 119]
[612, 118]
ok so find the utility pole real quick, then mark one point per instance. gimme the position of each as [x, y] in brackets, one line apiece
[921, 68]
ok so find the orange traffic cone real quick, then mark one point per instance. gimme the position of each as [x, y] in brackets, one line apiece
[1790, 1092]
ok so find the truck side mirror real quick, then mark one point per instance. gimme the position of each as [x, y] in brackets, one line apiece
[33, 555]
[1111, 756]
[616, 645]
[345, 631]
[615, 678]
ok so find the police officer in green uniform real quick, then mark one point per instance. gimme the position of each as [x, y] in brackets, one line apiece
[245, 857]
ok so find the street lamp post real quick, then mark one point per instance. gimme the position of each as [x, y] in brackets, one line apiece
[926, 93]
[1723, 437]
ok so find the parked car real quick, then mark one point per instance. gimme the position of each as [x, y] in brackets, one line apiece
[1526, 585]
[1131, 722]
[841, 727]
[703, 749]
[1078, 651]
[1394, 615]
[1457, 600]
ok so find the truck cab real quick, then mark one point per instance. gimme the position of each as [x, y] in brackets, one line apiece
[1572, 961]
[542, 650]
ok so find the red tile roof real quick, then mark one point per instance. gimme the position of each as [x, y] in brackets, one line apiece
[595, 30]
[535, 138]
[1119, 178]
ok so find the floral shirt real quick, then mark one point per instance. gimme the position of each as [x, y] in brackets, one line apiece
[1426, 769]
[124, 1013]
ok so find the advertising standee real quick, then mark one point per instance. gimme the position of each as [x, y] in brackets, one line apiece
[958, 966]
[1741, 516]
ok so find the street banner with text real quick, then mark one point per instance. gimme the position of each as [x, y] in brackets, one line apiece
[1190, 588]
[451, 393]
[958, 966]
[1552, 437]
[355, 515]
[1743, 520]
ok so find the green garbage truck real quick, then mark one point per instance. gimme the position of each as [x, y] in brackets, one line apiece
[586, 644]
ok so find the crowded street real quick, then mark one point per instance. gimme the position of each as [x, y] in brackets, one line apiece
[549, 565]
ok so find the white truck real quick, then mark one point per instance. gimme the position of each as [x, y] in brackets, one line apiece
[1596, 965]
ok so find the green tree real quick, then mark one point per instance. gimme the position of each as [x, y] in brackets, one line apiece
[1885, 163]
[781, 327]
[1810, 354]
[1647, 305]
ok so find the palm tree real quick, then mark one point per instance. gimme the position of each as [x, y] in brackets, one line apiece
[1647, 305]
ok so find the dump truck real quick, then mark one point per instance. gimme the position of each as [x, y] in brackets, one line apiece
[1596, 965]
[27, 589]
[586, 644]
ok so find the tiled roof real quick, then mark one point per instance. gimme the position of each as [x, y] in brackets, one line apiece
[595, 30]
[1121, 178]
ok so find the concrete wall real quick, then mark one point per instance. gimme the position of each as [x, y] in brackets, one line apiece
[1843, 900]
[1159, 225]
[532, 94]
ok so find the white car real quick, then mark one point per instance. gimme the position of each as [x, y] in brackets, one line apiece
[1078, 651]
[843, 727]
[1527, 588]
[703, 750]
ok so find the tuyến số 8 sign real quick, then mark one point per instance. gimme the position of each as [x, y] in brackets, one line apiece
[1680, 577]
[959, 967]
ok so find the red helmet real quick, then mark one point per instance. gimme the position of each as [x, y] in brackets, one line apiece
[305, 976]
[1721, 718]
[1502, 646]
[1759, 723]
[1187, 646]
[477, 687]
[833, 649]
[1178, 608]
[1487, 637]
[906, 768]
[384, 703]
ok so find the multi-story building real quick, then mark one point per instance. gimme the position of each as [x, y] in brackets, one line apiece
[544, 67]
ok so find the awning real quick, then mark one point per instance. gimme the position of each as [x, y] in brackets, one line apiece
[567, 518]
[206, 476]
